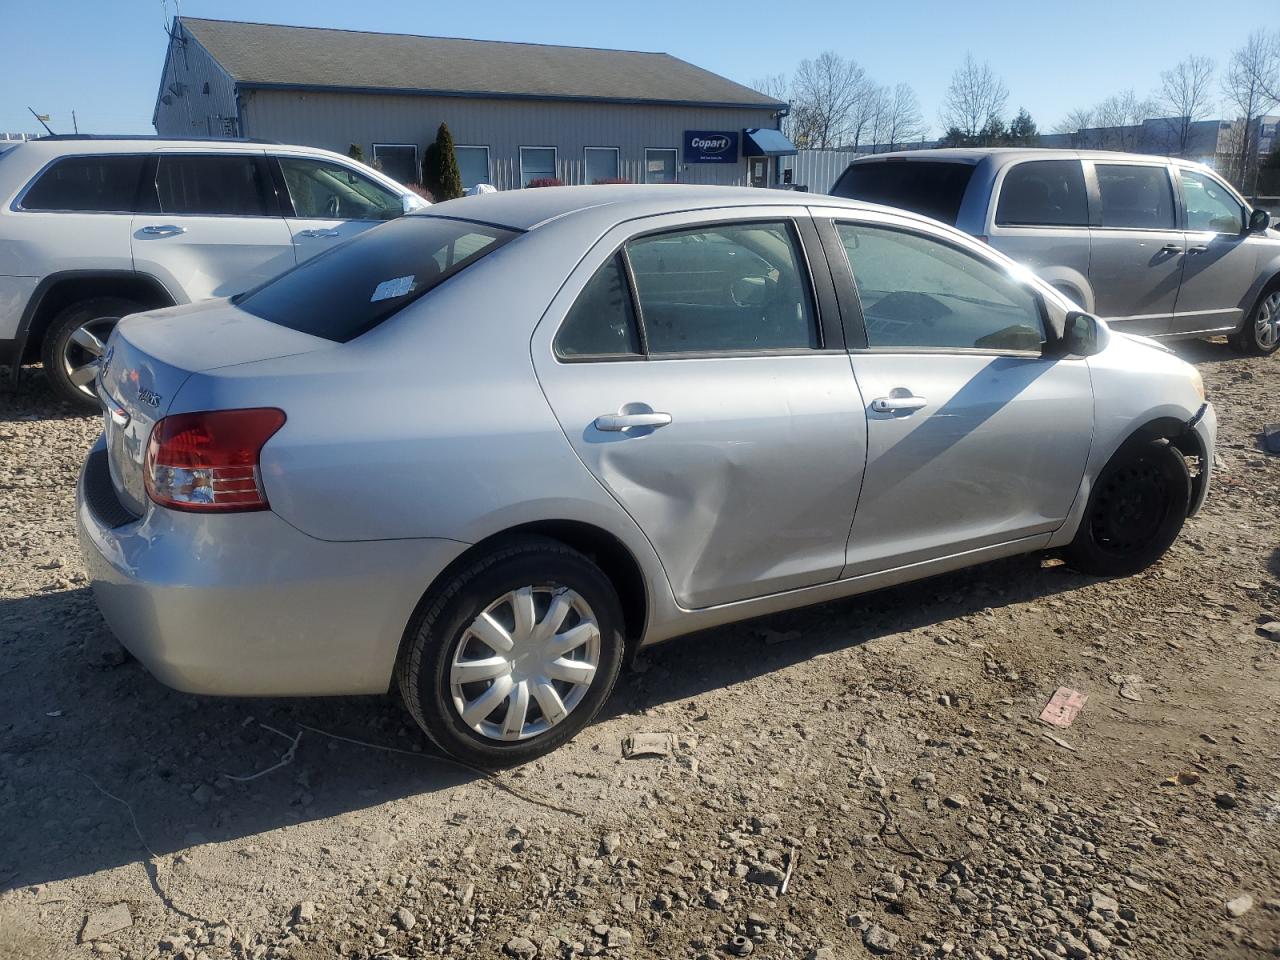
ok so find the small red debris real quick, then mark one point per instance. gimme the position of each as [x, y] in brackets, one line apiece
[1063, 707]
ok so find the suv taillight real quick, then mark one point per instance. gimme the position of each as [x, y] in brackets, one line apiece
[208, 462]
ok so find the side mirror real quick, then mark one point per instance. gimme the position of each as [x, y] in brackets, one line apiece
[1259, 220]
[1079, 335]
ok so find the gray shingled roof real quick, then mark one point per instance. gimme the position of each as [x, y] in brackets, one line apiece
[267, 54]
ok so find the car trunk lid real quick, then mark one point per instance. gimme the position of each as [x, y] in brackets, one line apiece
[150, 356]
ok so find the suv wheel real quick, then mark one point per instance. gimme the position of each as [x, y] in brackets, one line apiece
[75, 342]
[1135, 511]
[514, 655]
[1260, 335]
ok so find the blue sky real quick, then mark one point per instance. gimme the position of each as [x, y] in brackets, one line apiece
[102, 58]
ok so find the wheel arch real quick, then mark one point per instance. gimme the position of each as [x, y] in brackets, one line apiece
[58, 291]
[1182, 438]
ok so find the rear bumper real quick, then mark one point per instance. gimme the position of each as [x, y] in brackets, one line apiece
[247, 605]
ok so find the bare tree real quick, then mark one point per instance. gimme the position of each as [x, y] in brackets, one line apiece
[974, 99]
[778, 87]
[902, 120]
[1077, 123]
[866, 115]
[1185, 95]
[826, 91]
[1119, 121]
[1253, 74]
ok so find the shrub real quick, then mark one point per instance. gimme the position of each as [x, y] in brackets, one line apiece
[421, 191]
[545, 182]
[604, 180]
[440, 167]
[356, 152]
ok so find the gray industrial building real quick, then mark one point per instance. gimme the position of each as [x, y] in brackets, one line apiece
[518, 112]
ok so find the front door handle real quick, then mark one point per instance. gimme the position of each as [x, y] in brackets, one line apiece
[897, 404]
[617, 422]
[1171, 248]
[318, 233]
[164, 230]
[1198, 248]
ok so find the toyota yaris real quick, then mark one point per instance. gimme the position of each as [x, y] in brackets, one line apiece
[483, 452]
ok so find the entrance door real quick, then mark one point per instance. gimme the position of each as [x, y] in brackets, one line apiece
[758, 171]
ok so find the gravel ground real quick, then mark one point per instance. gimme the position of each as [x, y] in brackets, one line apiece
[857, 779]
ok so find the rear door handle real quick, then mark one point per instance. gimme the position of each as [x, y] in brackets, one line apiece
[1199, 248]
[897, 404]
[1171, 248]
[164, 230]
[318, 233]
[617, 422]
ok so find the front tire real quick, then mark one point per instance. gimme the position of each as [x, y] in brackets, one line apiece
[75, 342]
[1260, 335]
[513, 655]
[1135, 511]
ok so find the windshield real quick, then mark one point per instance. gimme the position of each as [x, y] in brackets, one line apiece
[357, 285]
[934, 188]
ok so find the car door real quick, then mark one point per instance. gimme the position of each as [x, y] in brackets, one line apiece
[326, 202]
[973, 438]
[696, 365]
[1221, 261]
[1135, 264]
[208, 225]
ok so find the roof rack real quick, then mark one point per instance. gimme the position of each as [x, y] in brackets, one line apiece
[151, 136]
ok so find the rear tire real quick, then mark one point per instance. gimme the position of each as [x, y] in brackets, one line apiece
[1260, 335]
[468, 643]
[74, 343]
[1135, 511]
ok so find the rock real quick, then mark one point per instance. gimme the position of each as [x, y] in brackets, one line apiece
[765, 874]
[740, 946]
[639, 745]
[617, 937]
[1270, 630]
[304, 912]
[405, 919]
[1225, 800]
[716, 899]
[103, 923]
[1109, 907]
[955, 801]
[879, 940]
[1240, 905]
[1075, 947]
[522, 948]
[1096, 941]
[202, 794]
[610, 843]
[175, 942]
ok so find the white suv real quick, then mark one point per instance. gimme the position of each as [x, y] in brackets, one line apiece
[94, 229]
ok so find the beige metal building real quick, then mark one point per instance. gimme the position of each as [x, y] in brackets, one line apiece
[518, 112]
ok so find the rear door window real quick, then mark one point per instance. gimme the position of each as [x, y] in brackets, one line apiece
[602, 321]
[1044, 193]
[934, 188]
[227, 185]
[357, 285]
[106, 184]
[1135, 196]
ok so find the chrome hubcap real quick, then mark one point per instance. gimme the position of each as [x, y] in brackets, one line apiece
[525, 663]
[83, 352]
[1267, 326]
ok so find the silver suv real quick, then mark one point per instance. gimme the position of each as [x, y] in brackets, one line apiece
[94, 229]
[1155, 246]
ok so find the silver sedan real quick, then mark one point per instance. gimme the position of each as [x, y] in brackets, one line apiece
[485, 452]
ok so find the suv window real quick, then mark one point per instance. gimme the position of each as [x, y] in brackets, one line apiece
[322, 189]
[228, 185]
[918, 292]
[353, 287]
[1209, 205]
[1045, 193]
[731, 287]
[1135, 196]
[602, 321]
[934, 188]
[106, 184]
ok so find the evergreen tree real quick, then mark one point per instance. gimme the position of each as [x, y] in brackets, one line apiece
[1023, 132]
[440, 167]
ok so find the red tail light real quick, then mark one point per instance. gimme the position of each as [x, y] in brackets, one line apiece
[208, 462]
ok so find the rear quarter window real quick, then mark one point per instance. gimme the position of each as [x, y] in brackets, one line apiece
[934, 188]
[357, 285]
[104, 184]
[1046, 193]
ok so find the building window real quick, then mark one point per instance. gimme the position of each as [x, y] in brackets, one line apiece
[659, 166]
[399, 161]
[599, 164]
[537, 164]
[473, 165]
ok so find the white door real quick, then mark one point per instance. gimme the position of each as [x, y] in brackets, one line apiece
[328, 202]
[973, 437]
[213, 230]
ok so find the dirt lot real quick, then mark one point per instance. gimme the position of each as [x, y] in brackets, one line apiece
[862, 778]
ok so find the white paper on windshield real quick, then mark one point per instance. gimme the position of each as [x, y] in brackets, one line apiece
[389, 289]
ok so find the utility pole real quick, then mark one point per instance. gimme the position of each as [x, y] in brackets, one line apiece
[42, 117]
[74, 126]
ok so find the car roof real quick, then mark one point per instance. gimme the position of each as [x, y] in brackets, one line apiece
[530, 208]
[1013, 154]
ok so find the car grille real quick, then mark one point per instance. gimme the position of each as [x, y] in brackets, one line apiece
[100, 495]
